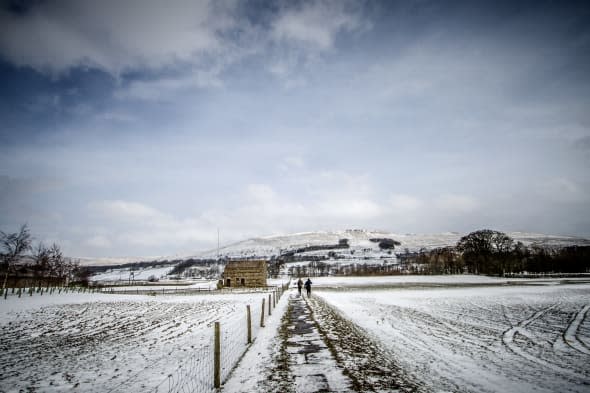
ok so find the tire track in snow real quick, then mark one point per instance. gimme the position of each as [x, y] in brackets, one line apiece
[402, 326]
[508, 340]
[570, 336]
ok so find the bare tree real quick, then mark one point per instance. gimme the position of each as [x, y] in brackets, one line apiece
[58, 263]
[41, 256]
[14, 245]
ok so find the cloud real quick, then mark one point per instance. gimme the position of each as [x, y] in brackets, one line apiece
[164, 89]
[139, 225]
[111, 35]
[98, 241]
[315, 24]
[456, 203]
[583, 143]
[405, 202]
[562, 190]
[302, 33]
[124, 210]
[344, 209]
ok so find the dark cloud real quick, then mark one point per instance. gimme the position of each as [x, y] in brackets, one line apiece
[583, 143]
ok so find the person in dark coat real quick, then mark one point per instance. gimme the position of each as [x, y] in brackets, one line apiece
[299, 285]
[308, 287]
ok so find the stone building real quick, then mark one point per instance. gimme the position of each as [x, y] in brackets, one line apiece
[245, 274]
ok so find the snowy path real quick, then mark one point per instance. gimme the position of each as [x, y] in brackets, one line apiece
[312, 366]
[310, 347]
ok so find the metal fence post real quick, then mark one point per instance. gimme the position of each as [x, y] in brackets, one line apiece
[262, 314]
[249, 321]
[217, 357]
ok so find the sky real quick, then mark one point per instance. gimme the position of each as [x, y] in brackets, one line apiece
[138, 128]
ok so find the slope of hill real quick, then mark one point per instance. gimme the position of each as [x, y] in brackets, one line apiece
[360, 242]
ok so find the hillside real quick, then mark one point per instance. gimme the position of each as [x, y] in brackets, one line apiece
[360, 242]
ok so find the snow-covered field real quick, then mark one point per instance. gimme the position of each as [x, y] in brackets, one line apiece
[427, 333]
[120, 343]
[481, 338]
[127, 274]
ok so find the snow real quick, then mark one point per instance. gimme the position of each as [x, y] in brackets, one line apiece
[250, 373]
[360, 240]
[480, 338]
[446, 333]
[119, 343]
[126, 274]
[405, 280]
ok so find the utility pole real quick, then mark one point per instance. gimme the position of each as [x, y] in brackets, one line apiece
[217, 243]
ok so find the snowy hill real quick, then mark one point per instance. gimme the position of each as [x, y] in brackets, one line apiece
[360, 241]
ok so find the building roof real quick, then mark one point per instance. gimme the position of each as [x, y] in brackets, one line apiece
[245, 264]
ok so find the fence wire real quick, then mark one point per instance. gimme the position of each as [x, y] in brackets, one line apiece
[196, 374]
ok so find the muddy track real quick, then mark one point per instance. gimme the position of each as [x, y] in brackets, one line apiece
[369, 367]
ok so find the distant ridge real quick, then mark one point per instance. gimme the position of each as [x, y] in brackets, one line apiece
[268, 246]
[358, 239]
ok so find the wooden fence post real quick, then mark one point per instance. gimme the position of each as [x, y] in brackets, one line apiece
[269, 307]
[249, 321]
[217, 357]
[274, 299]
[262, 314]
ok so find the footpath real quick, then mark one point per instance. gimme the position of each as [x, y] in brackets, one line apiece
[311, 365]
[291, 355]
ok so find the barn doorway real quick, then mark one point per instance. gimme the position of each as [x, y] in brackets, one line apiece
[243, 282]
[228, 282]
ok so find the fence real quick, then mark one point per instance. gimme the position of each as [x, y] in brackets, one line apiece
[41, 290]
[210, 366]
[170, 290]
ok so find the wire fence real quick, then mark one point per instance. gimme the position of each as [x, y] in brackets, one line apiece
[205, 370]
[196, 373]
[41, 290]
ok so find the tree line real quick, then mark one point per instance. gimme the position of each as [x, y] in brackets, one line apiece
[492, 252]
[25, 264]
[486, 251]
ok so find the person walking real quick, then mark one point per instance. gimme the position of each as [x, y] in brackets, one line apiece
[299, 285]
[308, 287]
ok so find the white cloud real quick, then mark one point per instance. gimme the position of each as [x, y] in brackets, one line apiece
[137, 224]
[347, 209]
[261, 194]
[98, 241]
[315, 24]
[292, 164]
[456, 203]
[125, 210]
[303, 32]
[405, 202]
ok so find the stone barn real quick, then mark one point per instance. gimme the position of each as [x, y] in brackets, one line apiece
[245, 274]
